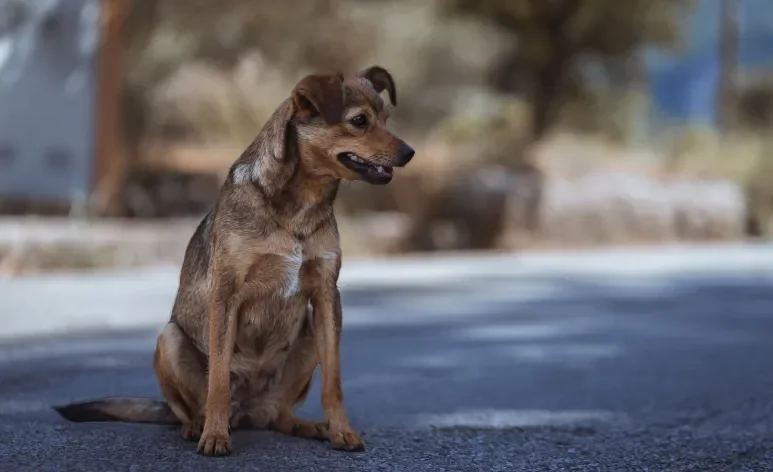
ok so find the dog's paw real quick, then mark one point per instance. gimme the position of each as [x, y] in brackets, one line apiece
[191, 431]
[346, 440]
[212, 444]
[310, 430]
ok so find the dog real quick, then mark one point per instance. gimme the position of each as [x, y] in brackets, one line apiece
[258, 308]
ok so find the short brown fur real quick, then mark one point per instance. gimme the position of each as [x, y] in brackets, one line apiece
[258, 308]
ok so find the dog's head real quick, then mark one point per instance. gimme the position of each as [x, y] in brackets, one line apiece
[341, 126]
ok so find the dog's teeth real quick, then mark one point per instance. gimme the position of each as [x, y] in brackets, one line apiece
[380, 169]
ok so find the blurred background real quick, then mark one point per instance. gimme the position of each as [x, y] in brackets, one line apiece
[575, 270]
[538, 124]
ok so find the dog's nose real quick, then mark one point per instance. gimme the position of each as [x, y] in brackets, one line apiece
[406, 153]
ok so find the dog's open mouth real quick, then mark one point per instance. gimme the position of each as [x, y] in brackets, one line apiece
[370, 172]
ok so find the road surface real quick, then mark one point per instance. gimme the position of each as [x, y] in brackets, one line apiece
[632, 361]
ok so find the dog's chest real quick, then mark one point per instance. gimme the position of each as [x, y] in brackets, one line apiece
[269, 326]
[305, 269]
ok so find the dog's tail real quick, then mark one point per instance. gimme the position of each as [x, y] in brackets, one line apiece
[120, 409]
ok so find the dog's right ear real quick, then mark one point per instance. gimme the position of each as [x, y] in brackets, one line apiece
[320, 94]
[381, 80]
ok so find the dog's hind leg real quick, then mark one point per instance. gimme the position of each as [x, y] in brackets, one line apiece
[180, 370]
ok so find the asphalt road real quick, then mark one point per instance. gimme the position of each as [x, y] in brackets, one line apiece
[521, 371]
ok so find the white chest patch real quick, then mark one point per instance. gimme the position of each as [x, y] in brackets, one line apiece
[292, 281]
[324, 255]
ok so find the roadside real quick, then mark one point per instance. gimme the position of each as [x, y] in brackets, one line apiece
[32, 245]
[39, 304]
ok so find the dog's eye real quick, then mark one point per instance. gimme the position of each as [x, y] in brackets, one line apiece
[359, 121]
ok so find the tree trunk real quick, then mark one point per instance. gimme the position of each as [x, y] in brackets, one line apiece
[550, 79]
[548, 97]
[110, 158]
[546, 102]
[727, 98]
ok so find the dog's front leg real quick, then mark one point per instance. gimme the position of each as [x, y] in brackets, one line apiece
[216, 437]
[328, 319]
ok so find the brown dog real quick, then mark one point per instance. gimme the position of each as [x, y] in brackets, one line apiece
[258, 308]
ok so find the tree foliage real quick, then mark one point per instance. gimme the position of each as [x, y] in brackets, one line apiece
[553, 37]
[292, 36]
[291, 33]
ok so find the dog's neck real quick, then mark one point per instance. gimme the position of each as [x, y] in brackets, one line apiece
[299, 196]
[306, 200]
[310, 188]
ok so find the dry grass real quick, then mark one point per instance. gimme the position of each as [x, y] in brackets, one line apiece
[465, 133]
[701, 151]
[745, 159]
[590, 192]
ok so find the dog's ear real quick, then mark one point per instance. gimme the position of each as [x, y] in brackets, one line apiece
[381, 80]
[320, 94]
